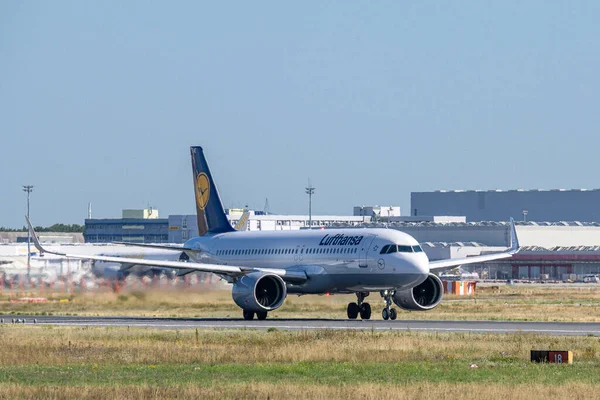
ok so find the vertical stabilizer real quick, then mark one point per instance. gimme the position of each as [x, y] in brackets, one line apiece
[209, 209]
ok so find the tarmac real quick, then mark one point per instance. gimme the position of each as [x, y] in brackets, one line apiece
[497, 327]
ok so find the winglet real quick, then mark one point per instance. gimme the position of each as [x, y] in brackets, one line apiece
[514, 240]
[36, 241]
[34, 237]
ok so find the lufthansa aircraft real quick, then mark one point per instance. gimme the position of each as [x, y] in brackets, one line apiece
[264, 266]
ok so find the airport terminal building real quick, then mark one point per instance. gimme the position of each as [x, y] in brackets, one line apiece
[135, 226]
[500, 205]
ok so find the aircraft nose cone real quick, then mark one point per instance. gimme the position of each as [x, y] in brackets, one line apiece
[421, 264]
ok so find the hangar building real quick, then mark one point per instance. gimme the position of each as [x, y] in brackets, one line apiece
[500, 205]
[136, 226]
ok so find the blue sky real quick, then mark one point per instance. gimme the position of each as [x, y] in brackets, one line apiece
[100, 101]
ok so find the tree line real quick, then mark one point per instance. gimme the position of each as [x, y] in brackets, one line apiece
[73, 228]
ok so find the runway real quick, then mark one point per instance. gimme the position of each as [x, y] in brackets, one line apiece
[549, 328]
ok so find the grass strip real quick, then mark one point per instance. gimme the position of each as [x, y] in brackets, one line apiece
[304, 373]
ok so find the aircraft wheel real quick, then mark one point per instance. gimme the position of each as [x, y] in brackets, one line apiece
[365, 311]
[385, 314]
[261, 315]
[393, 314]
[352, 310]
[248, 315]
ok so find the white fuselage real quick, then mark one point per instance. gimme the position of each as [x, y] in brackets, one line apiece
[335, 260]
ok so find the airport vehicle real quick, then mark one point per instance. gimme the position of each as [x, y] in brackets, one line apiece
[591, 279]
[265, 266]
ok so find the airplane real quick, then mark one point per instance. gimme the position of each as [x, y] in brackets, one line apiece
[265, 266]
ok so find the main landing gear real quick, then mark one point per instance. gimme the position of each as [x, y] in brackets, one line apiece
[249, 315]
[364, 309]
[388, 312]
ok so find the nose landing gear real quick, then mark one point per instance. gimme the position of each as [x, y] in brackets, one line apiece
[364, 309]
[388, 312]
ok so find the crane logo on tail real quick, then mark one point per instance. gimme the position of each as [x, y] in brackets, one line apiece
[202, 190]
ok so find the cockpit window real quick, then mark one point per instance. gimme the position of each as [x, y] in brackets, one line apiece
[395, 248]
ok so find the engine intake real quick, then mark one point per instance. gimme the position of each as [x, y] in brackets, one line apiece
[259, 291]
[422, 297]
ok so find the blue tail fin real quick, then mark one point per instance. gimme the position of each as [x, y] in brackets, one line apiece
[209, 209]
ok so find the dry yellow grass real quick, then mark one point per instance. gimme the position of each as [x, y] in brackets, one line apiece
[505, 303]
[26, 345]
[365, 391]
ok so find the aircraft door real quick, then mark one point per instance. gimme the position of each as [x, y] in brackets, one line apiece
[365, 245]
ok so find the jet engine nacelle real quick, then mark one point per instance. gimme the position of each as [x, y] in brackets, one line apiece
[422, 297]
[259, 292]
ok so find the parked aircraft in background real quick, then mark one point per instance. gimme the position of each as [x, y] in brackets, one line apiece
[265, 266]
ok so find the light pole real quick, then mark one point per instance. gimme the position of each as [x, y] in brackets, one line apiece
[28, 189]
[525, 212]
[310, 190]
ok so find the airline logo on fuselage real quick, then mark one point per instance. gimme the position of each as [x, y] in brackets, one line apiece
[202, 190]
[340, 240]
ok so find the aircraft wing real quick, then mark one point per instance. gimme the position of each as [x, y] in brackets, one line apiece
[455, 262]
[184, 267]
